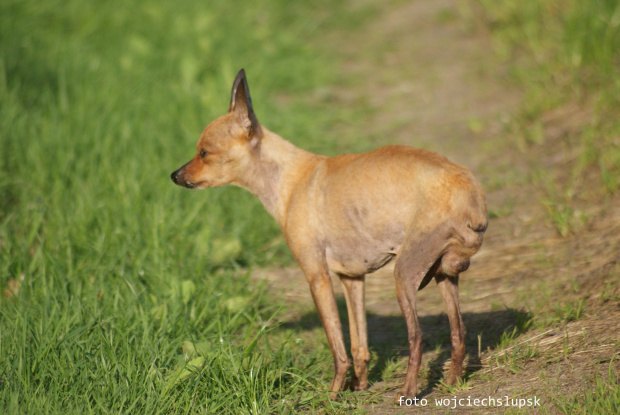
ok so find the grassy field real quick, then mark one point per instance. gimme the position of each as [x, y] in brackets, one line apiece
[109, 267]
[124, 293]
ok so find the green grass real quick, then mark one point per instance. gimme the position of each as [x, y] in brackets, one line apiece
[563, 55]
[604, 398]
[127, 294]
[117, 267]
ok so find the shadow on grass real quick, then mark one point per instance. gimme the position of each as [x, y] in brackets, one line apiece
[387, 336]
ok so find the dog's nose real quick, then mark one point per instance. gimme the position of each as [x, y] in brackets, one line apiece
[175, 176]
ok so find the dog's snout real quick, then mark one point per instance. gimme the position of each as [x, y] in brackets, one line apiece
[179, 177]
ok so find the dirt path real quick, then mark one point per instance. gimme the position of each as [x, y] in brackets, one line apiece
[436, 85]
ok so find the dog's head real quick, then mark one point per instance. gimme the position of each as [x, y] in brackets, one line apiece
[226, 146]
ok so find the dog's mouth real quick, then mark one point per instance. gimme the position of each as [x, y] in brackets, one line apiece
[178, 179]
[189, 185]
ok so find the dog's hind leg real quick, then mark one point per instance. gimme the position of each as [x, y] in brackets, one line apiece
[414, 262]
[354, 295]
[449, 288]
[456, 260]
[406, 293]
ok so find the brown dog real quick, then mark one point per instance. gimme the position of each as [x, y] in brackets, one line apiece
[351, 215]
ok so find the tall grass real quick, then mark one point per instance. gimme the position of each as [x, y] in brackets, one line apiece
[108, 267]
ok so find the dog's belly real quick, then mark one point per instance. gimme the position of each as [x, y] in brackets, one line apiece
[360, 240]
[356, 257]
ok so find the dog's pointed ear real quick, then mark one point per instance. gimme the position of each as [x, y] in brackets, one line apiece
[241, 104]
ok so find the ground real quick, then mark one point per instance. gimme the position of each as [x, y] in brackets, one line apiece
[541, 309]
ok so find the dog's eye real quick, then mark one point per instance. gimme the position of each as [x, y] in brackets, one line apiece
[203, 153]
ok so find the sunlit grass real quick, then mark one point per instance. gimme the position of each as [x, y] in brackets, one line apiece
[109, 267]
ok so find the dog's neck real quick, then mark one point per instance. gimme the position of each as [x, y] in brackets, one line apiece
[274, 172]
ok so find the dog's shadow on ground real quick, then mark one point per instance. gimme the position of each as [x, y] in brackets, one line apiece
[387, 336]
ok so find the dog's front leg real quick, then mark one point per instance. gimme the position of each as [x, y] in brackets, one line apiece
[354, 294]
[323, 295]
